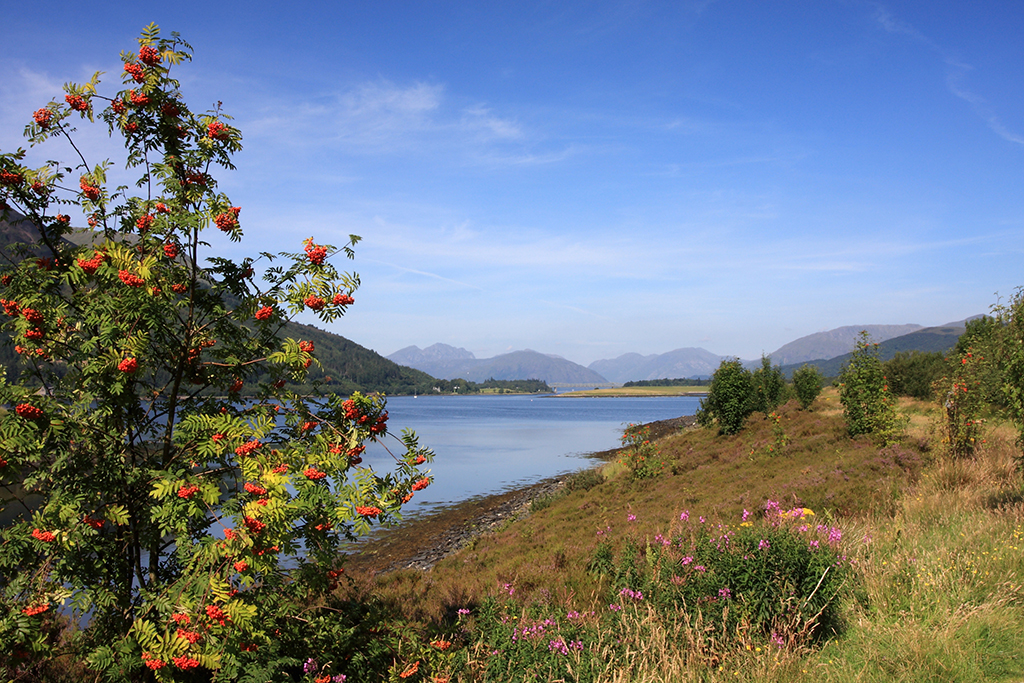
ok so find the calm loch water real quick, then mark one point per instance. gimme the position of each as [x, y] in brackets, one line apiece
[488, 444]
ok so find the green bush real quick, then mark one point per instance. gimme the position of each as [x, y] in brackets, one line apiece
[807, 384]
[867, 404]
[730, 398]
[913, 373]
[639, 454]
[769, 386]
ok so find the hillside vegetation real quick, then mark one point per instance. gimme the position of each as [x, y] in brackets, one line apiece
[934, 588]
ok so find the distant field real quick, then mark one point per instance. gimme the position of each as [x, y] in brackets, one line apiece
[641, 391]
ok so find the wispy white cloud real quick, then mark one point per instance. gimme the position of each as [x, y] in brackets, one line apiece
[956, 74]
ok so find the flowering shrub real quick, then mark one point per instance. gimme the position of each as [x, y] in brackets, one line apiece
[960, 395]
[639, 454]
[125, 423]
[780, 573]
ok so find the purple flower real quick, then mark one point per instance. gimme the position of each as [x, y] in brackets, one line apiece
[763, 545]
[463, 612]
[310, 666]
[746, 513]
[685, 516]
[340, 678]
[724, 593]
[615, 608]
[631, 517]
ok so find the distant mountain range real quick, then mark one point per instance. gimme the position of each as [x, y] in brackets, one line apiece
[827, 350]
[449, 362]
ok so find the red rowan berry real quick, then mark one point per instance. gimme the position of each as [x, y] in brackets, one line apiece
[255, 489]
[130, 278]
[131, 128]
[148, 55]
[128, 366]
[265, 313]
[28, 411]
[138, 99]
[76, 102]
[33, 316]
[44, 536]
[247, 448]
[91, 191]
[236, 386]
[368, 511]
[241, 566]
[170, 110]
[60, 218]
[314, 302]
[171, 250]
[35, 334]
[38, 609]
[144, 223]
[187, 491]
[228, 221]
[254, 525]
[135, 71]
[314, 474]
[218, 131]
[161, 208]
[421, 484]
[179, 288]
[306, 346]
[42, 117]
[342, 300]
[11, 179]
[117, 106]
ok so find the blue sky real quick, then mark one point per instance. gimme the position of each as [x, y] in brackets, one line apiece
[594, 178]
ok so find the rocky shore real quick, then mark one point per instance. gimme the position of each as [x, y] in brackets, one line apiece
[423, 542]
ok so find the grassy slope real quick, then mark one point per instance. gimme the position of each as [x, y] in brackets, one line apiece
[938, 546]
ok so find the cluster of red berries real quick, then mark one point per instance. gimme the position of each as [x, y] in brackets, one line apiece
[130, 278]
[161, 208]
[185, 662]
[314, 302]
[135, 71]
[28, 411]
[10, 179]
[32, 611]
[11, 308]
[179, 288]
[381, 425]
[421, 484]
[315, 252]
[91, 522]
[367, 510]
[91, 192]
[33, 316]
[314, 474]
[218, 131]
[254, 526]
[280, 469]
[247, 448]
[236, 386]
[255, 489]
[138, 99]
[188, 491]
[60, 218]
[419, 460]
[342, 300]
[265, 313]
[76, 102]
[228, 220]
[152, 662]
[90, 266]
[306, 426]
[170, 110]
[44, 536]
[241, 566]
[191, 636]
[148, 55]
[131, 128]
[171, 250]
[117, 106]
[128, 366]
[42, 117]
[306, 346]
[35, 334]
[144, 223]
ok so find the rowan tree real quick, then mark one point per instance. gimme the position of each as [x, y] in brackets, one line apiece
[182, 526]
